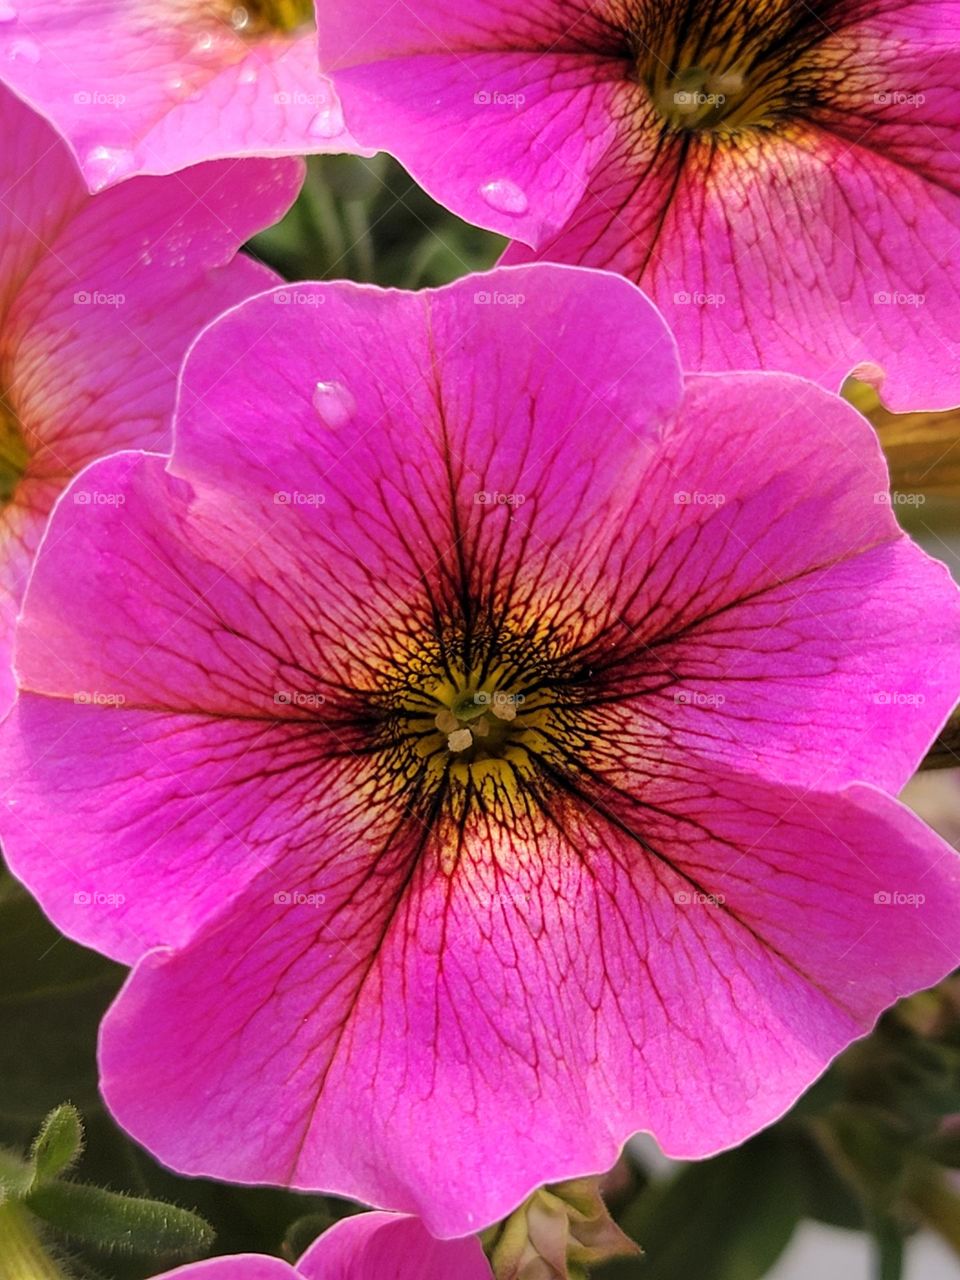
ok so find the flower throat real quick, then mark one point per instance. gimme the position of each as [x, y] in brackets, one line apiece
[730, 66]
[14, 455]
[258, 17]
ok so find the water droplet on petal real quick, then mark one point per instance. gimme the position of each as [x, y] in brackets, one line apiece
[505, 196]
[249, 74]
[240, 18]
[108, 164]
[7, 12]
[328, 122]
[24, 51]
[334, 403]
[212, 46]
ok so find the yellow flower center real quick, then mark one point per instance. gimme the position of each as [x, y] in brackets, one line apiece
[14, 454]
[479, 724]
[259, 17]
[730, 66]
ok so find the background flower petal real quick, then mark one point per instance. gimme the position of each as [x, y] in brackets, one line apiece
[146, 86]
[387, 1246]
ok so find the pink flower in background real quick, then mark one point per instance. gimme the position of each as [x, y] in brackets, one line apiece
[496, 767]
[151, 86]
[369, 1246]
[782, 177]
[99, 299]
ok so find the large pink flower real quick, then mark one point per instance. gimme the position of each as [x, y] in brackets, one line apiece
[99, 299]
[496, 729]
[370, 1246]
[151, 86]
[781, 177]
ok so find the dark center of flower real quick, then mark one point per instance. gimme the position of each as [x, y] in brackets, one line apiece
[259, 17]
[731, 65]
[481, 719]
[486, 722]
[14, 454]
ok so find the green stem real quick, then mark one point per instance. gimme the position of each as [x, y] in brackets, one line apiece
[22, 1256]
[888, 1250]
[930, 1194]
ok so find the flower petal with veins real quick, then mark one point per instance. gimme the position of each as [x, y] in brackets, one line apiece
[782, 178]
[154, 86]
[99, 299]
[484, 762]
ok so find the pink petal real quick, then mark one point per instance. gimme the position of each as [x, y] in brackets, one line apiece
[508, 141]
[181, 597]
[778, 618]
[100, 299]
[865, 281]
[387, 1246]
[685, 961]
[146, 86]
[241, 1266]
[861, 186]
[360, 966]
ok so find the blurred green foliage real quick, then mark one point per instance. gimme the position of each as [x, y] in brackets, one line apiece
[367, 220]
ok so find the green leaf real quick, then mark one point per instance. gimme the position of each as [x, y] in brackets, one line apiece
[58, 1144]
[111, 1221]
[16, 1176]
[53, 996]
[873, 1145]
[302, 1233]
[945, 1148]
[728, 1218]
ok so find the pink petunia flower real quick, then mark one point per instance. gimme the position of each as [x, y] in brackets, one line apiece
[99, 299]
[152, 86]
[369, 1246]
[781, 177]
[493, 731]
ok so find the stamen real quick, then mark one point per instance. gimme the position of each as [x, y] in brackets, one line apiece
[503, 707]
[446, 721]
[461, 740]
